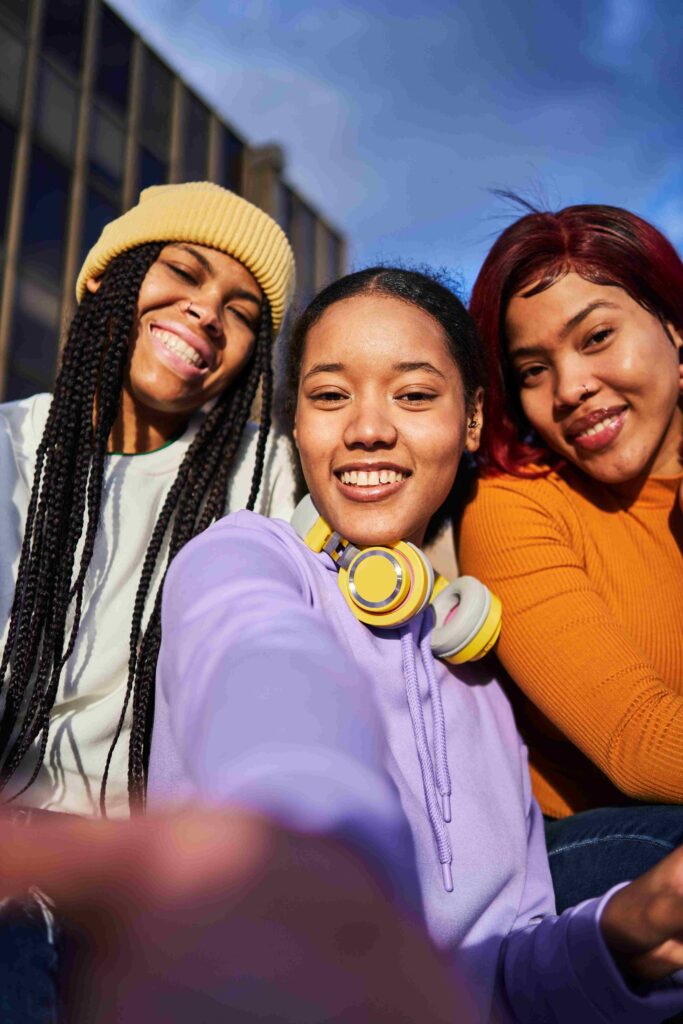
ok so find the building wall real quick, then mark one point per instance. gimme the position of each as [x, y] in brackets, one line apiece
[90, 115]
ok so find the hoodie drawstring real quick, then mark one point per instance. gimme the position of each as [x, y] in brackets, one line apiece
[443, 776]
[434, 809]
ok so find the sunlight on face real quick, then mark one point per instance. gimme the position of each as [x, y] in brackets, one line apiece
[380, 420]
[598, 378]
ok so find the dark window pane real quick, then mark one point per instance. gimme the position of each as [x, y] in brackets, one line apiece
[230, 154]
[303, 232]
[45, 216]
[56, 112]
[34, 338]
[155, 118]
[113, 60]
[18, 11]
[18, 386]
[8, 138]
[98, 212]
[12, 52]
[107, 150]
[283, 214]
[331, 255]
[63, 31]
[151, 171]
[195, 140]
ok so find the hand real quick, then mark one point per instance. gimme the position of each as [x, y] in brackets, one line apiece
[218, 916]
[643, 922]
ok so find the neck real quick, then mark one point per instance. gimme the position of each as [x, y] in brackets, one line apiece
[139, 429]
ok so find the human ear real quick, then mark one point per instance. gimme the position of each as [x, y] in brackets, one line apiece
[475, 421]
[92, 284]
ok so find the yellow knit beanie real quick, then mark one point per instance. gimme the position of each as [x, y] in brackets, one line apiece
[201, 212]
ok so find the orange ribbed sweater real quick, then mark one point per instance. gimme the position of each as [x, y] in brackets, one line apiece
[592, 591]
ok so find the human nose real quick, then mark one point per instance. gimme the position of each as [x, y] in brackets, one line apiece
[573, 383]
[369, 426]
[204, 312]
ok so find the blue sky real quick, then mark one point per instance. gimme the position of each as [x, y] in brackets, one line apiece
[398, 118]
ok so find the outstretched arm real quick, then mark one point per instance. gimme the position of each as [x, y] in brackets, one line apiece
[560, 970]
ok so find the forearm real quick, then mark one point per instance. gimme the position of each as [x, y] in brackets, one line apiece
[560, 971]
[210, 914]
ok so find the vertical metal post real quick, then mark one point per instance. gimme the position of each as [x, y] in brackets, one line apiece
[19, 186]
[177, 123]
[79, 177]
[130, 179]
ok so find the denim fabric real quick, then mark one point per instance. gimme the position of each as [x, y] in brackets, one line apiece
[594, 850]
[28, 962]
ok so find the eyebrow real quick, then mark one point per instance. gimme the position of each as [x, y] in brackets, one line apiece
[574, 321]
[409, 367]
[324, 368]
[397, 368]
[239, 293]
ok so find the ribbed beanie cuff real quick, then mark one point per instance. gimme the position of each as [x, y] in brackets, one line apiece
[206, 214]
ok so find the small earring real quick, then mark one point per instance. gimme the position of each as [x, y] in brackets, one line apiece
[473, 423]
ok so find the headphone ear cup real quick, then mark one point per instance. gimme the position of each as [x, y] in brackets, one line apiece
[387, 586]
[467, 621]
[426, 568]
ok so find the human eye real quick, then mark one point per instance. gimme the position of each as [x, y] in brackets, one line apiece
[183, 272]
[328, 397]
[598, 337]
[416, 397]
[243, 317]
[529, 376]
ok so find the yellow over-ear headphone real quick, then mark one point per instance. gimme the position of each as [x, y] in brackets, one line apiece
[386, 586]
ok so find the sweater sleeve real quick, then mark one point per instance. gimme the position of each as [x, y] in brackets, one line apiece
[564, 648]
[265, 708]
[558, 970]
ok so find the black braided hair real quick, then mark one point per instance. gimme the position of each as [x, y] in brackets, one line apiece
[64, 511]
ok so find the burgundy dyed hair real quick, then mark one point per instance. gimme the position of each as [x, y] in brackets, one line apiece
[603, 244]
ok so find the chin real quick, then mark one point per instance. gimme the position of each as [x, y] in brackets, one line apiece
[612, 475]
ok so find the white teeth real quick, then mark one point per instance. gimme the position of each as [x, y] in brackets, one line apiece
[179, 347]
[371, 478]
[602, 425]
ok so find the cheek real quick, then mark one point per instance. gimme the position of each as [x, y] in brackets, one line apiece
[538, 409]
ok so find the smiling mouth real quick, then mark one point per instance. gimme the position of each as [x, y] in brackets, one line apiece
[371, 478]
[172, 343]
[601, 434]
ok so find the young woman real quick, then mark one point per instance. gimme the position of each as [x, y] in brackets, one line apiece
[322, 702]
[144, 443]
[576, 523]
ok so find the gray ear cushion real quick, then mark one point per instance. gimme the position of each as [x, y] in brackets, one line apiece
[304, 516]
[430, 575]
[473, 601]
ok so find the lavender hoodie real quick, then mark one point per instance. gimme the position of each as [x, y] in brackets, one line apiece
[271, 695]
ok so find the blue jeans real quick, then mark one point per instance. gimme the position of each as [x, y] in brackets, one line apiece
[594, 850]
[28, 962]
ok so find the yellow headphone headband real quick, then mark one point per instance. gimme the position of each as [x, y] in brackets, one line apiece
[386, 586]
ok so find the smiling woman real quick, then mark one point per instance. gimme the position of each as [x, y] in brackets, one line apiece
[577, 523]
[329, 703]
[144, 443]
[179, 300]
